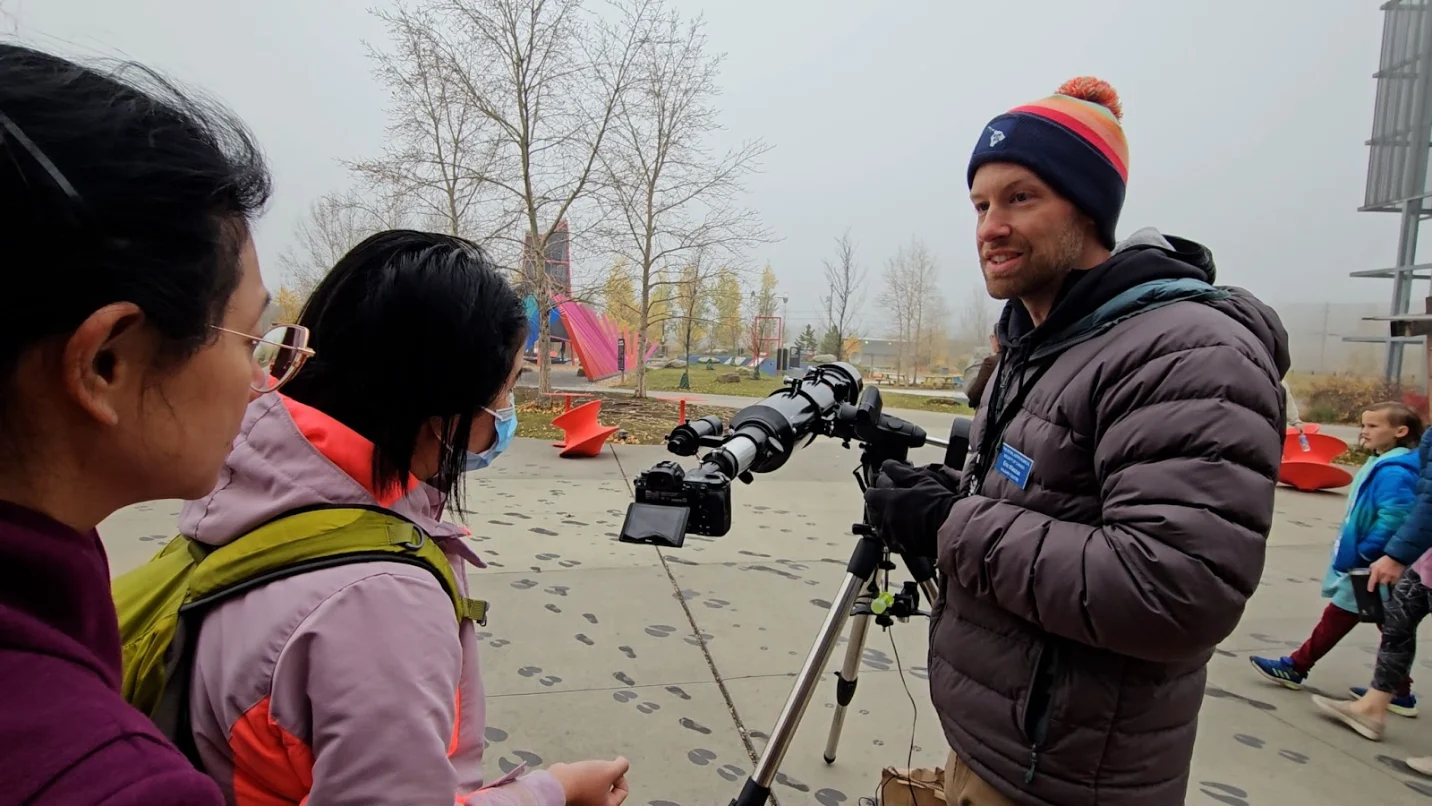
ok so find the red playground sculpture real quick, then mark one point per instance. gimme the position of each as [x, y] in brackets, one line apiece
[1309, 467]
[583, 435]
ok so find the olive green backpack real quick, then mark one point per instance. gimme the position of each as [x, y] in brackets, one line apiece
[161, 604]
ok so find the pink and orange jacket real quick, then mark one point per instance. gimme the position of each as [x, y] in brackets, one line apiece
[348, 685]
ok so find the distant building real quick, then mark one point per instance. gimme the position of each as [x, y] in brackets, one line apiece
[881, 354]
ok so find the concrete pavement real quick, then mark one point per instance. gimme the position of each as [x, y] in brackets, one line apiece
[681, 659]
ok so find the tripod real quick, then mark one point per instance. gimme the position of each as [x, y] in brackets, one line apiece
[871, 556]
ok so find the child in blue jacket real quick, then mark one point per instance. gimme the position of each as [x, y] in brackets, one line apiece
[1378, 502]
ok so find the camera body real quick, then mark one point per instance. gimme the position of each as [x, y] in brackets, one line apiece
[704, 493]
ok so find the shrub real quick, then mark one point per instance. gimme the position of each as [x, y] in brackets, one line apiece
[1342, 397]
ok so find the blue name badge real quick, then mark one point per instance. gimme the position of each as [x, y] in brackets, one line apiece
[1013, 465]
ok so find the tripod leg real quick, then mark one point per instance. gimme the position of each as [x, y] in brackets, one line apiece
[863, 564]
[846, 682]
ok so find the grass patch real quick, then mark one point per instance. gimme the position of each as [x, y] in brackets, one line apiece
[705, 382]
[915, 402]
[642, 421]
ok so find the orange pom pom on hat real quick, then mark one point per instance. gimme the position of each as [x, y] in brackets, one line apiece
[1073, 141]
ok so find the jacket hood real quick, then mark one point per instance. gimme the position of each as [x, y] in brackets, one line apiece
[290, 456]
[1146, 270]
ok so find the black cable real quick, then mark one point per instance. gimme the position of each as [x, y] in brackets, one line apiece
[914, 720]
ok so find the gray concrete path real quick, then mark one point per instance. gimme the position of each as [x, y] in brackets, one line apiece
[681, 659]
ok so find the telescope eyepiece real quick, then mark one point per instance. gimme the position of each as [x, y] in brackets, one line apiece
[685, 440]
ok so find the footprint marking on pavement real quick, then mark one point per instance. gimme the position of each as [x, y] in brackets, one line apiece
[1225, 793]
[679, 692]
[582, 637]
[730, 772]
[524, 584]
[528, 672]
[1248, 740]
[1215, 692]
[648, 707]
[624, 678]
[1301, 759]
[624, 696]
[660, 630]
[793, 784]
[700, 756]
[630, 653]
[688, 723]
[591, 617]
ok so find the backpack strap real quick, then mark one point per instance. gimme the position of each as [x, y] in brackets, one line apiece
[314, 539]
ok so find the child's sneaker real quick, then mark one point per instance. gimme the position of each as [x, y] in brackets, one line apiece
[1279, 670]
[1405, 705]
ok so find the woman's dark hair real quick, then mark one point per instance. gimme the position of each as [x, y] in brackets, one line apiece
[115, 186]
[406, 327]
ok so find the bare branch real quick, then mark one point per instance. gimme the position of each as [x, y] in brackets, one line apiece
[667, 201]
[845, 284]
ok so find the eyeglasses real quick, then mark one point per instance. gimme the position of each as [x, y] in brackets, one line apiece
[278, 355]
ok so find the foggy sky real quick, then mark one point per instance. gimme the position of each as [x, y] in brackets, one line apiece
[1246, 121]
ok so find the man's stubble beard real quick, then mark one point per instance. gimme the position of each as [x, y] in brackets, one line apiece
[1045, 265]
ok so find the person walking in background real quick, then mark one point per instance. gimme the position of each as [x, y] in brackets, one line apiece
[974, 389]
[1406, 564]
[1378, 502]
[1404, 610]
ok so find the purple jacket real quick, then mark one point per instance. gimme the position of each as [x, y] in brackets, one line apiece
[66, 735]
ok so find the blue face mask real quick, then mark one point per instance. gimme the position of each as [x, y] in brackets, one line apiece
[505, 423]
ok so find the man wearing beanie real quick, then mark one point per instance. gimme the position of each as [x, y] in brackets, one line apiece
[1111, 522]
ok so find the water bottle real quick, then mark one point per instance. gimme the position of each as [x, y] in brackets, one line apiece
[1303, 441]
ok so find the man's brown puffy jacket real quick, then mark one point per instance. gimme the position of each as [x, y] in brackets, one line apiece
[1117, 533]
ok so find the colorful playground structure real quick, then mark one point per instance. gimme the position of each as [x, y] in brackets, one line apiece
[594, 339]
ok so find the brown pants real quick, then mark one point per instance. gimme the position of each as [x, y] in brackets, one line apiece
[964, 787]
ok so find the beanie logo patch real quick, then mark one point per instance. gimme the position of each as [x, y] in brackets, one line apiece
[995, 136]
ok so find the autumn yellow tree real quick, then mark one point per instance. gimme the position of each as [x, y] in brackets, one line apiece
[763, 305]
[659, 313]
[288, 305]
[618, 297]
[726, 300]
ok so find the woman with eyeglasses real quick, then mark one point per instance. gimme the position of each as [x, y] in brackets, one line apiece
[352, 683]
[128, 332]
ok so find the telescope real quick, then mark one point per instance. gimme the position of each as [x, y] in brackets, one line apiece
[827, 401]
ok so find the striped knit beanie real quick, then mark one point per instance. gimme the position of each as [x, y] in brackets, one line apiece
[1073, 141]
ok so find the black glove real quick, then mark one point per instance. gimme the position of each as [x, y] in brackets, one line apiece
[907, 505]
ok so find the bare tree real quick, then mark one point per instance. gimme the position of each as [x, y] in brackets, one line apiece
[845, 283]
[334, 223]
[670, 201]
[439, 152]
[975, 320]
[913, 300]
[542, 79]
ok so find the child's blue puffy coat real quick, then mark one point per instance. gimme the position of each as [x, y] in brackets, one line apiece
[1378, 503]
